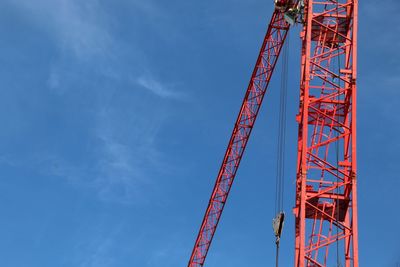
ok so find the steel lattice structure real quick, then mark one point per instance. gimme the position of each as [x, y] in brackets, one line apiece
[326, 199]
[269, 53]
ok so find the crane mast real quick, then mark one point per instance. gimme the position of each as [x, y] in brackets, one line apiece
[326, 232]
[326, 181]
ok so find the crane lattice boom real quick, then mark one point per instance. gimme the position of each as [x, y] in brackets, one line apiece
[270, 50]
[326, 182]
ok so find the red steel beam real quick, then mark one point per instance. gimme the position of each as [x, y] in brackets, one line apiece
[267, 59]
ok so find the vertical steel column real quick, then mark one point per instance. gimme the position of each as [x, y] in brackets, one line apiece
[326, 181]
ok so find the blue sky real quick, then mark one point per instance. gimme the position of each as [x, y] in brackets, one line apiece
[115, 115]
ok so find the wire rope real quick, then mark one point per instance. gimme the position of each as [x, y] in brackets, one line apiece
[281, 144]
[280, 162]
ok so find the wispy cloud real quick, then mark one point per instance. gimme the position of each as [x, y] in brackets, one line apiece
[123, 161]
[100, 254]
[97, 247]
[124, 153]
[78, 27]
[158, 88]
[121, 174]
[79, 32]
[82, 34]
[170, 253]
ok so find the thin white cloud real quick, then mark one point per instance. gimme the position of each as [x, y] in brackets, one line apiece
[121, 165]
[158, 88]
[96, 248]
[118, 173]
[78, 27]
[170, 253]
[125, 148]
[82, 29]
[80, 33]
[127, 154]
[120, 176]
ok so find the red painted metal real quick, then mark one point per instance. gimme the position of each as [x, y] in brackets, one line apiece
[326, 187]
[270, 50]
[326, 232]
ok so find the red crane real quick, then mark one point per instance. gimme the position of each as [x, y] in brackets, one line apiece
[326, 182]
